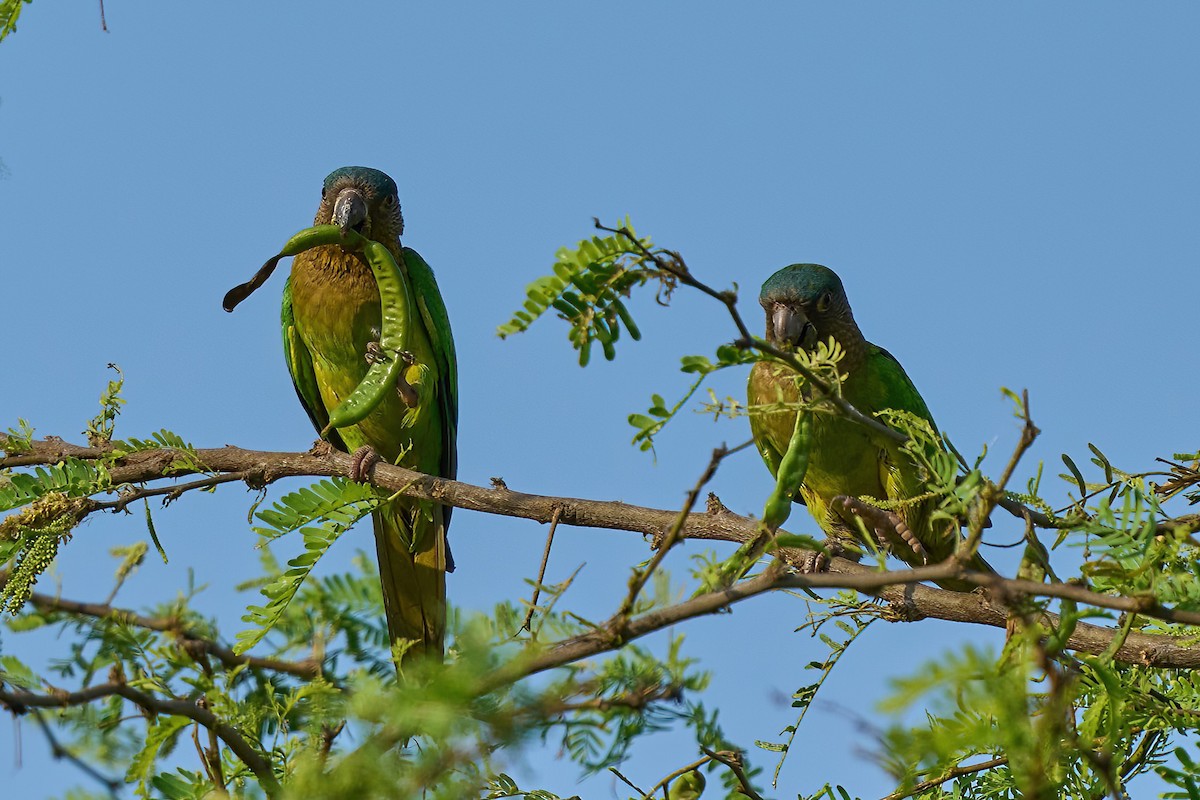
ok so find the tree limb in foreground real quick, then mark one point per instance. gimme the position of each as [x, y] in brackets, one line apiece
[899, 588]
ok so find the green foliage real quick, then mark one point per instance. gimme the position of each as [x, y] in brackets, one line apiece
[54, 499]
[651, 424]
[17, 440]
[161, 738]
[68, 478]
[318, 711]
[9, 11]
[100, 429]
[586, 288]
[851, 617]
[321, 512]
[502, 785]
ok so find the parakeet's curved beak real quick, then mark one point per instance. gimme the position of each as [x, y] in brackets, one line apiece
[349, 210]
[789, 324]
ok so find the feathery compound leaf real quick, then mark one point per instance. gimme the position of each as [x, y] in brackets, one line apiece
[73, 478]
[333, 499]
[586, 288]
[100, 429]
[334, 505]
[160, 737]
[659, 414]
[9, 11]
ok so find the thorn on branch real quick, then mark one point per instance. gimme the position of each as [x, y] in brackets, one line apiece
[321, 449]
[713, 505]
[903, 611]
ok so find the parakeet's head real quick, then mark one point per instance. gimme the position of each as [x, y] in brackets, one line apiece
[362, 199]
[805, 304]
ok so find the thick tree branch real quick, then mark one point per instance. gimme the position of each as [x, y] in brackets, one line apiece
[21, 701]
[910, 601]
[190, 640]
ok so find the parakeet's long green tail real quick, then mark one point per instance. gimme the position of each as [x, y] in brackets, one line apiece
[414, 584]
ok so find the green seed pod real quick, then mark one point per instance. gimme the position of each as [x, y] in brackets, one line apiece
[792, 469]
[396, 308]
[627, 319]
[304, 240]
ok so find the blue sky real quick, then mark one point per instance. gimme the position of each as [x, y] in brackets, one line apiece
[1010, 194]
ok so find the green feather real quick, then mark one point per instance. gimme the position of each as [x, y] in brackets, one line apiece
[331, 312]
[846, 458]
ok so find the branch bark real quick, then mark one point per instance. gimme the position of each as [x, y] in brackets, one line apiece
[900, 588]
[21, 701]
[191, 641]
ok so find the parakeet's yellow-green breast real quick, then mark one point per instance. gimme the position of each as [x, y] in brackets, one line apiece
[806, 304]
[331, 318]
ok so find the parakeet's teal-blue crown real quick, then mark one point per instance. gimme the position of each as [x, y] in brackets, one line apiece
[377, 181]
[801, 282]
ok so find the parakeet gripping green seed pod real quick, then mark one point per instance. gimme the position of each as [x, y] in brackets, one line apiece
[806, 304]
[332, 322]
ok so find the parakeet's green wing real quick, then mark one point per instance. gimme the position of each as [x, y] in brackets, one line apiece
[437, 325]
[892, 386]
[300, 366]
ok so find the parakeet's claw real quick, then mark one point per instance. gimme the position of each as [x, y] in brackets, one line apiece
[374, 353]
[407, 392]
[814, 562]
[362, 461]
[886, 525]
[908, 537]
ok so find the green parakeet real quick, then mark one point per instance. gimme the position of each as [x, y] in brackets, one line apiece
[806, 304]
[331, 319]
[688, 786]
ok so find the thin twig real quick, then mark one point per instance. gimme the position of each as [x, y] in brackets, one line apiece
[949, 775]
[191, 641]
[537, 587]
[991, 493]
[171, 492]
[22, 701]
[58, 751]
[638, 580]
[666, 781]
[734, 762]
[628, 782]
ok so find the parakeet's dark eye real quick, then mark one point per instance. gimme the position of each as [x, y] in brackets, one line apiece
[825, 302]
[392, 200]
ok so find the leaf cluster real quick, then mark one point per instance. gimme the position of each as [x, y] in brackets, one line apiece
[587, 288]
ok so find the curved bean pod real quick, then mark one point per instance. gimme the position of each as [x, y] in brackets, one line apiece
[792, 469]
[396, 311]
[304, 240]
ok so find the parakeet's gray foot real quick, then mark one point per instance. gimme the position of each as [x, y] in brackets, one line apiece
[817, 561]
[886, 525]
[407, 392]
[362, 461]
